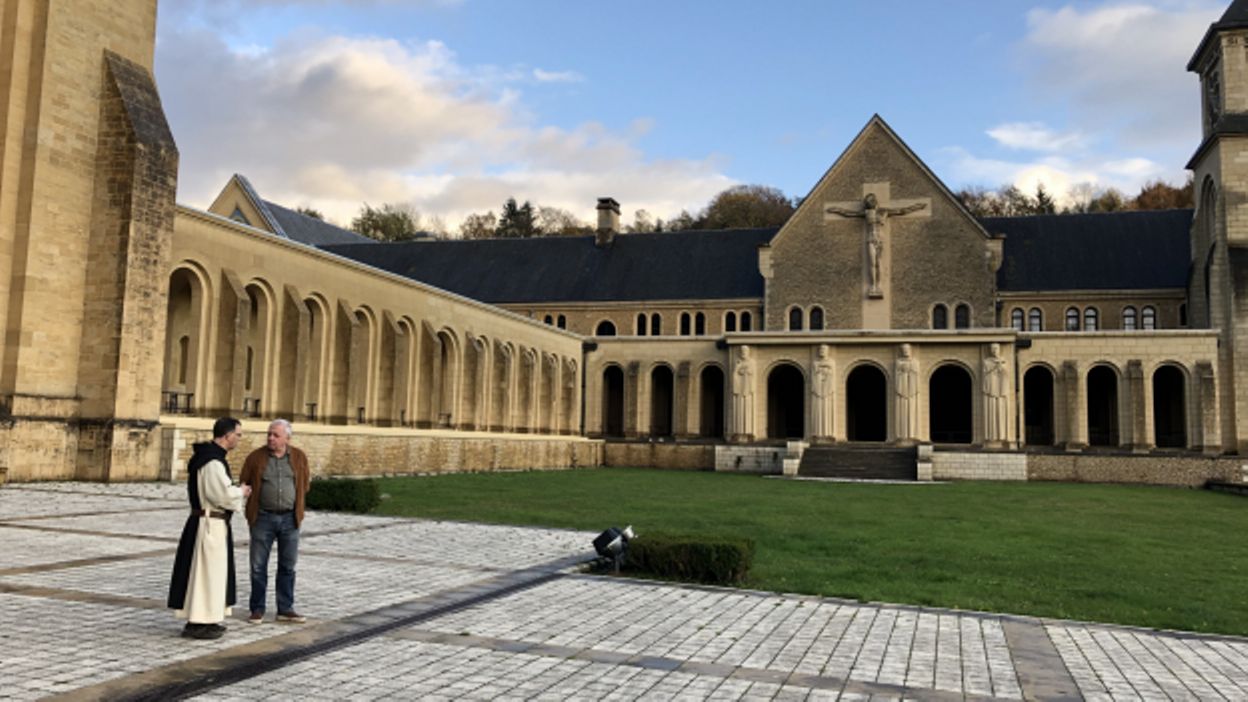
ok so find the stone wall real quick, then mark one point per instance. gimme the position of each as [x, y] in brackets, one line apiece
[646, 454]
[334, 450]
[765, 460]
[964, 465]
[1157, 469]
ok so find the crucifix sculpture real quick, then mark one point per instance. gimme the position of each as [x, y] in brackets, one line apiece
[874, 217]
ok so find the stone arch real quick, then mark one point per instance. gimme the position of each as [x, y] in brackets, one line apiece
[686, 324]
[361, 366]
[473, 407]
[786, 401]
[641, 324]
[730, 321]
[502, 384]
[866, 403]
[405, 346]
[939, 315]
[816, 318]
[1039, 420]
[569, 397]
[746, 321]
[795, 318]
[314, 403]
[186, 336]
[526, 378]
[450, 361]
[962, 318]
[605, 328]
[548, 394]
[1170, 430]
[711, 387]
[951, 404]
[1103, 380]
[699, 324]
[613, 401]
[662, 400]
[258, 342]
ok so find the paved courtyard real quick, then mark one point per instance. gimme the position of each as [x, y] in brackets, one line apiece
[414, 609]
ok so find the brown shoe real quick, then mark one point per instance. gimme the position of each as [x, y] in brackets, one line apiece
[257, 617]
[291, 617]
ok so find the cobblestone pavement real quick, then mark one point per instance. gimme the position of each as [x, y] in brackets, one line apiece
[413, 609]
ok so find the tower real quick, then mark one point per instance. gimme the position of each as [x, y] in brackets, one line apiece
[88, 173]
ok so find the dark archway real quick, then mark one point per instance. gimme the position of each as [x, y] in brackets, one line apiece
[1038, 407]
[613, 402]
[605, 328]
[1102, 407]
[866, 414]
[661, 396]
[1169, 408]
[950, 412]
[712, 406]
[786, 403]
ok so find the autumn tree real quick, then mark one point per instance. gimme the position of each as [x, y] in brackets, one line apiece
[516, 221]
[746, 206]
[478, 226]
[310, 212]
[387, 223]
[556, 221]
[1159, 195]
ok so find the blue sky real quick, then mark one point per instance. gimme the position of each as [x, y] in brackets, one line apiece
[451, 106]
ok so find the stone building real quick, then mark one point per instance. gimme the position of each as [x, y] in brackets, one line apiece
[881, 317]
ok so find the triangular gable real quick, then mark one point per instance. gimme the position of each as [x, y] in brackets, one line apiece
[239, 197]
[877, 123]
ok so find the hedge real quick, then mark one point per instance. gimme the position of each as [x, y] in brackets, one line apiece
[700, 559]
[344, 495]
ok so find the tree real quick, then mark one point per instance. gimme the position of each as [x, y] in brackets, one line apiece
[479, 226]
[1044, 203]
[681, 222]
[516, 221]
[641, 222]
[1109, 201]
[1158, 195]
[750, 206]
[310, 212]
[556, 221]
[387, 223]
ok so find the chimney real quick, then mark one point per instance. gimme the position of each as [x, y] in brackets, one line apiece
[608, 221]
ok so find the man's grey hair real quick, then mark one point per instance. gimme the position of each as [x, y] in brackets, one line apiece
[285, 424]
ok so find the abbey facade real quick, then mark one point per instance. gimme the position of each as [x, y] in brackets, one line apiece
[882, 314]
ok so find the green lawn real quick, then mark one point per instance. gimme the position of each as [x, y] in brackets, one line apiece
[1147, 556]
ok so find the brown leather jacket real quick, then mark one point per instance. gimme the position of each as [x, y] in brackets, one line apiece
[253, 475]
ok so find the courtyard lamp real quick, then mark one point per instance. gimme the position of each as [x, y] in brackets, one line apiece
[612, 544]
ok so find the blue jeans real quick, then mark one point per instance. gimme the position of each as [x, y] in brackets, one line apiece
[268, 527]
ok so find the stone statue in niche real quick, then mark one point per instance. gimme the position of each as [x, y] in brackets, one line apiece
[996, 417]
[743, 396]
[823, 387]
[906, 387]
[874, 217]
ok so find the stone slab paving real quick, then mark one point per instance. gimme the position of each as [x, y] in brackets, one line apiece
[408, 609]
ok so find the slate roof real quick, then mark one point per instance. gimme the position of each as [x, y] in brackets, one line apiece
[310, 230]
[698, 265]
[1112, 251]
[1235, 17]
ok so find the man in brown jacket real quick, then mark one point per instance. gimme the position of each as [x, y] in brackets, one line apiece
[278, 475]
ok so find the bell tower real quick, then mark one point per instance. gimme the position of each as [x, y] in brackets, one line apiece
[88, 174]
[1218, 282]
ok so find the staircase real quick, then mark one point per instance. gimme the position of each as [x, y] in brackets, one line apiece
[860, 462]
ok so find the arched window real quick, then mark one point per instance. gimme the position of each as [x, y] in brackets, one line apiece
[656, 324]
[730, 322]
[184, 354]
[1090, 318]
[1072, 319]
[816, 318]
[1128, 318]
[1035, 320]
[641, 324]
[940, 317]
[746, 321]
[548, 319]
[562, 322]
[1149, 317]
[795, 319]
[1183, 314]
[1016, 319]
[699, 324]
[605, 328]
[962, 316]
[684, 324]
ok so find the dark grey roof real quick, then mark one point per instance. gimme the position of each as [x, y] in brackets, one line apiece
[310, 230]
[1113, 251]
[701, 265]
[1235, 17]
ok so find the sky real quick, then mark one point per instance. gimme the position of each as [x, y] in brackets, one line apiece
[453, 106]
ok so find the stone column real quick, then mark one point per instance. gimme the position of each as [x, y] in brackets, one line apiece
[683, 390]
[1076, 407]
[1139, 409]
[632, 400]
[1209, 423]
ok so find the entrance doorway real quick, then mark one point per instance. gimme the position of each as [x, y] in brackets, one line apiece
[866, 411]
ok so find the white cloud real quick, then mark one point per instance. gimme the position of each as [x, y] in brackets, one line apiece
[1034, 136]
[1058, 174]
[332, 122]
[542, 76]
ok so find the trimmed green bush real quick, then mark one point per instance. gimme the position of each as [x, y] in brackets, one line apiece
[344, 495]
[700, 559]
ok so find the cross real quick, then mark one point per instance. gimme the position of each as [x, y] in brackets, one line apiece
[875, 218]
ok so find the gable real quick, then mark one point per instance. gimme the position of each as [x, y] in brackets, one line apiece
[237, 199]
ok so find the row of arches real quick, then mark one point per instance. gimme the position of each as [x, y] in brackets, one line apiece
[248, 348]
[869, 404]
[688, 324]
[812, 318]
[961, 316]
